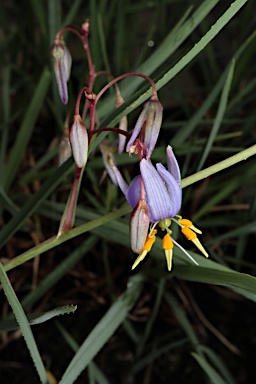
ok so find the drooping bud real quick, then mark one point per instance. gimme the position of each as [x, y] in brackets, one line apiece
[139, 226]
[62, 66]
[79, 141]
[147, 127]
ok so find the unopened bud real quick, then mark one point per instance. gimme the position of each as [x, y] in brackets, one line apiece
[62, 66]
[139, 226]
[79, 141]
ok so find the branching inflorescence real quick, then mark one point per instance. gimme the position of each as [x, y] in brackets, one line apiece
[155, 195]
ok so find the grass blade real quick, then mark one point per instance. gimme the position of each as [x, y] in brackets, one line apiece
[26, 128]
[24, 325]
[102, 331]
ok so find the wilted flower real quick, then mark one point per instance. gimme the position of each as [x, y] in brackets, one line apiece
[62, 66]
[147, 128]
[79, 141]
[163, 199]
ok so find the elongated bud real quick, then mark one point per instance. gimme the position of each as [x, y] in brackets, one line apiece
[139, 226]
[79, 141]
[62, 66]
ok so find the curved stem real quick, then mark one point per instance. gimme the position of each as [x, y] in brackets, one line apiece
[154, 91]
[78, 100]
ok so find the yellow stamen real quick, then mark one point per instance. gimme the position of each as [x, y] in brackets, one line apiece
[185, 222]
[147, 247]
[168, 255]
[188, 223]
[167, 245]
[200, 247]
[167, 242]
[190, 235]
[141, 257]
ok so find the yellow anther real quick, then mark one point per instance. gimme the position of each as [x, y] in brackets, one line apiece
[167, 242]
[190, 235]
[185, 222]
[149, 243]
[188, 223]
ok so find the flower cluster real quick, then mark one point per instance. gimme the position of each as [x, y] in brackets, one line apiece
[155, 195]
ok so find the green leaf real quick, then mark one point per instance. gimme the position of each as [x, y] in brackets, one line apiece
[26, 129]
[103, 330]
[10, 325]
[208, 369]
[23, 324]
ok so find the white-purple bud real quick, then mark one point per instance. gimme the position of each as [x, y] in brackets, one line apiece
[79, 141]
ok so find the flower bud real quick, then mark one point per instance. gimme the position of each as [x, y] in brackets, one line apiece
[79, 141]
[139, 226]
[62, 66]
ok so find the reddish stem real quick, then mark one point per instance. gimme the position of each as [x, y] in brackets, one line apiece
[73, 199]
[154, 91]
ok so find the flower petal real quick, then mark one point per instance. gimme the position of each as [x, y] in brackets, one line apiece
[173, 189]
[157, 196]
[153, 124]
[120, 180]
[142, 118]
[133, 193]
[172, 165]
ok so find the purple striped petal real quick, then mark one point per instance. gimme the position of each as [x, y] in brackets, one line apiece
[133, 193]
[120, 180]
[172, 165]
[153, 124]
[138, 126]
[157, 196]
[173, 189]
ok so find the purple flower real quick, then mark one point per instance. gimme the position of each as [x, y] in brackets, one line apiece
[162, 187]
[155, 195]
